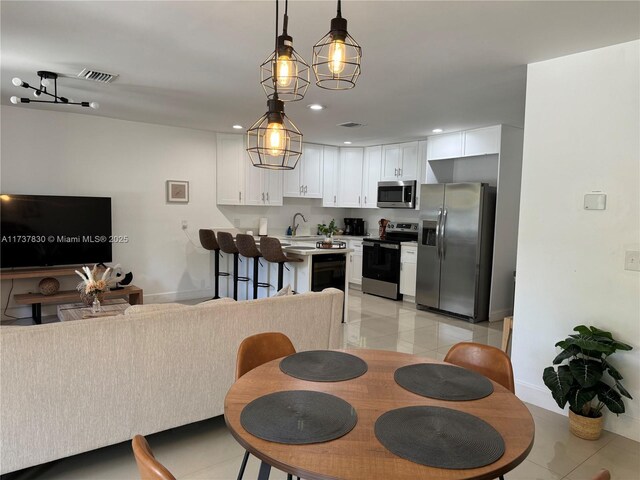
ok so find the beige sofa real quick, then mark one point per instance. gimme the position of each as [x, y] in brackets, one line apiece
[72, 387]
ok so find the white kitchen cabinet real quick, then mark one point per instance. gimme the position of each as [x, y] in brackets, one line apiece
[232, 161]
[408, 269]
[306, 179]
[481, 141]
[400, 161]
[330, 177]
[350, 177]
[263, 186]
[447, 145]
[371, 173]
[355, 258]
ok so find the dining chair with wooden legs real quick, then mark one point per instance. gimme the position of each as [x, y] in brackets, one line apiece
[148, 466]
[486, 360]
[257, 350]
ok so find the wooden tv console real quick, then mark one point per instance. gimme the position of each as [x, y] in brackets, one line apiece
[36, 300]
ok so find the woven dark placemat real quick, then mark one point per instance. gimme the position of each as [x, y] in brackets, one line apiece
[439, 437]
[443, 382]
[298, 417]
[323, 366]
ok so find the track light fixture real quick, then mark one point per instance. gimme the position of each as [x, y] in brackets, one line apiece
[47, 79]
[292, 71]
[274, 142]
[337, 57]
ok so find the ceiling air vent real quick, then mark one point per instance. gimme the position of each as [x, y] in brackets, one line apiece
[350, 124]
[96, 76]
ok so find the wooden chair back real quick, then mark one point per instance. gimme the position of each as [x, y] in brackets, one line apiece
[261, 348]
[485, 360]
[148, 466]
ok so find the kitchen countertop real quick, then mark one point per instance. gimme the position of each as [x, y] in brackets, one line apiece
[316, 251]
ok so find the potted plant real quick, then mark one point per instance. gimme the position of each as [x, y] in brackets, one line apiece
[328, 230]
[579, 381]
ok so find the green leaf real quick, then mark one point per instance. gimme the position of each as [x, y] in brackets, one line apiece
[615, 374]
[611, 398]
[586, 372]
[622, 390]
[579, 397]
[582, 330]
[559, 382]
[569, 352]
[589, 343]
[621, 346]
[601, 333]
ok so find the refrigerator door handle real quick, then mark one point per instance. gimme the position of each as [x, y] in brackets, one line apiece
[442, 233]
[438, 232]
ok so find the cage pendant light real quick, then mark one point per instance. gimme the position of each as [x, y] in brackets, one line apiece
[274, 142]
[337, 57]
[292, 71]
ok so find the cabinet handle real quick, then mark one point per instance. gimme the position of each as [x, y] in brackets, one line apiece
[263, 196]
[399, 172]
[365, 199]
[334, 199]
[301, 189]
[359, 200]
[395, 172]
[305, 189]
[267, 196]
[240, 196]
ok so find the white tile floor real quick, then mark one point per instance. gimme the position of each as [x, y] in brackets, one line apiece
[206, 450]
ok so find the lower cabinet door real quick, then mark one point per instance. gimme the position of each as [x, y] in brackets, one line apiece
[408, 279]
[356, 269]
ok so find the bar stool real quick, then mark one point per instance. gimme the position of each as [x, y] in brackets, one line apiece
[228, 246]
[247, 247]
[209, 242]
[271, 250]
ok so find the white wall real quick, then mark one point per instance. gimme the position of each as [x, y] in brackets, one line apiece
[72, 154]
[581, 134]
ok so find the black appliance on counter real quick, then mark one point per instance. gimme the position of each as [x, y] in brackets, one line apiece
[381, 260]
[354, 226]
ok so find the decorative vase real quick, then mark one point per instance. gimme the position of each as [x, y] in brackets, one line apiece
[87, 298]
[328, 240]
[95, 306]
[588, 428]
[49, 286]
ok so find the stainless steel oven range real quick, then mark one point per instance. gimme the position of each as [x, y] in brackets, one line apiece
[381, 260]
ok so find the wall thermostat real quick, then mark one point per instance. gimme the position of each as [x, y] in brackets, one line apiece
[595, 201]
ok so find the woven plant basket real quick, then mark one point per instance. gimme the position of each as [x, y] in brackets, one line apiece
[585, 427]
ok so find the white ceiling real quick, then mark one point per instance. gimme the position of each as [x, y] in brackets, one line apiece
[426, 65]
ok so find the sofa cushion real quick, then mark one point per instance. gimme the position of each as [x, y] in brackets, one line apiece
[153, 307]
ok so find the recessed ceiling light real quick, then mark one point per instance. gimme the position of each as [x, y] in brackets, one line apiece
[237, 127]
[347, 143]
[316, 106]
[437, 130]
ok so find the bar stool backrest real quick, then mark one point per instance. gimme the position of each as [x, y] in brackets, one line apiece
[208, 239]
[227, 245]
[246, 245]
[271, 250]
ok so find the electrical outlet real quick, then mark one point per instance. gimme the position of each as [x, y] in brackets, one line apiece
[632, 260]
[185, 224]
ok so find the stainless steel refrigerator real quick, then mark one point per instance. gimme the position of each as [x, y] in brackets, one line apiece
[455, 248]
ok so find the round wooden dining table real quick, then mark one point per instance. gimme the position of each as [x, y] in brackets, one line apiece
[359, 455]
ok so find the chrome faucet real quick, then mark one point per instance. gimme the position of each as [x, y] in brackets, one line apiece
[294, 227]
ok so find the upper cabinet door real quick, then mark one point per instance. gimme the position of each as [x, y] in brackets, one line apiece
[292, 181]
[254, 186]
[448, 145]
[231, 162]
[330, 177]
[311, 171]
[391, 161]
[482, 141]
[273, 187]
[409, 168]
[371, 173]
[350, 177]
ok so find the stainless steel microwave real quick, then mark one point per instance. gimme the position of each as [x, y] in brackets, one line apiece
[397, 194]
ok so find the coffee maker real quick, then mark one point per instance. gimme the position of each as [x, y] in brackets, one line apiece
[354, 226]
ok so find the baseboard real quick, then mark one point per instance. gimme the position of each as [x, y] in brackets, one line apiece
[498, 315]
[624, 425]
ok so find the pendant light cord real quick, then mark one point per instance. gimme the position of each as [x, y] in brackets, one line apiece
[285, 20]
[275, 63]
[339, 8]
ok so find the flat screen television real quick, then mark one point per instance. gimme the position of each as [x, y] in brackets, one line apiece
[43, 230]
